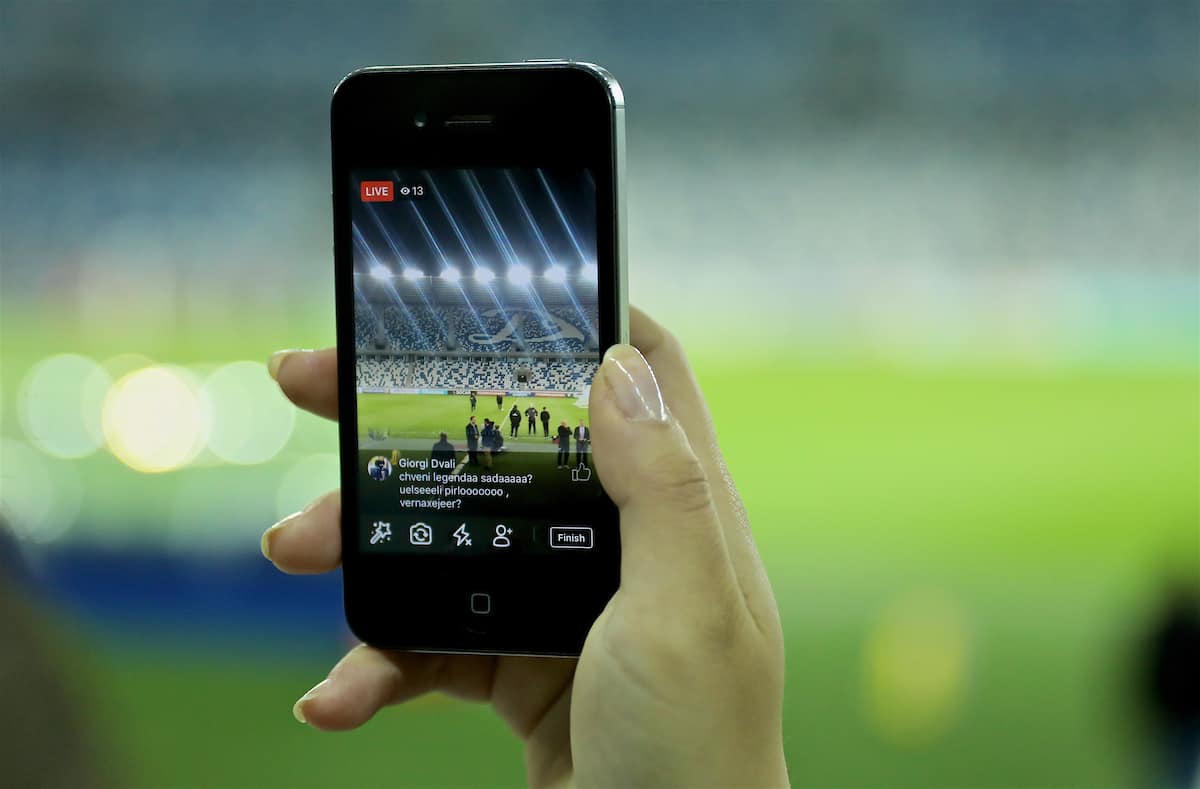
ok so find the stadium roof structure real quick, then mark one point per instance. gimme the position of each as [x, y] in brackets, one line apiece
[513, 233]
[467, 290]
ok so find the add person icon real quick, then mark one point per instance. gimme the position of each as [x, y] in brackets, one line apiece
[501, 539]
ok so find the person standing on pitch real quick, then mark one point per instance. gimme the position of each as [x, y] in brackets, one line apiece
[531, 415]
[545, 422]
[488, 436]
[443, 450]
[473, 442]
[514, 419]
[564, 445]
[472, 401]
[583, 439]
[499, 401]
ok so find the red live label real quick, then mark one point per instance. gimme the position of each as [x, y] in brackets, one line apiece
[376, 192]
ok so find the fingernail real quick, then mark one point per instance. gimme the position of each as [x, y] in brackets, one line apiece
[265, 543]
[634, 385]
[276, 361]
[298, 707]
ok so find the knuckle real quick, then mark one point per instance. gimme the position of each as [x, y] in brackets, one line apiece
[666, 644]
[672, 345]
[682, 484]
[720, 628]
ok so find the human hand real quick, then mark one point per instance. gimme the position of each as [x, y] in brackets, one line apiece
[680, 681]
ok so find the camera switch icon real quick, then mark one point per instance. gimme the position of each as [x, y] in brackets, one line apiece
[420, 534]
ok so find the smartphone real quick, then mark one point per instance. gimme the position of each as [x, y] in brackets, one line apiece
[480, 275]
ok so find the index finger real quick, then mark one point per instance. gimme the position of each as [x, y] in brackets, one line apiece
[308, 378]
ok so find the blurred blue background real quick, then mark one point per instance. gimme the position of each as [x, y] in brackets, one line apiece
[953, 249]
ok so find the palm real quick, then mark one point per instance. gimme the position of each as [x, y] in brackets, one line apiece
[687, 653]
[567, 699]
[534, 696]
[538, 698]
[550, 703]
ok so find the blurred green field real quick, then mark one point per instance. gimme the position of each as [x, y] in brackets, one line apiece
[1039, 508]
[943, 298]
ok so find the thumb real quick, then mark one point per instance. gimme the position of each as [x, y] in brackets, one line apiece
[671, 536]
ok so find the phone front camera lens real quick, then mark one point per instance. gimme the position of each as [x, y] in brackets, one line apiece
[419, 120]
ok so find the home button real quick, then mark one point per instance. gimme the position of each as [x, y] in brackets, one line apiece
[481, 603]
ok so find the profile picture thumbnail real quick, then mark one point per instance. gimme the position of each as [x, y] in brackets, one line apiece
[379, 468]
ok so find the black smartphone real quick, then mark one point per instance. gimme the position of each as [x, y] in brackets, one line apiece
[480, 276]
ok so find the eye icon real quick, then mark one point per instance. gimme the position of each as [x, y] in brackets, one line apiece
[420, 534]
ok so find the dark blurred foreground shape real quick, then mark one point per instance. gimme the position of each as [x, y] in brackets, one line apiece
[45, 740]
[1171, 676]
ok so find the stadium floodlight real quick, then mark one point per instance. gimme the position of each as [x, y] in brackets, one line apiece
[519, 274]
[412, 273]
[484, 275]
[556, 274]
[451, 274]
[590, 272]
[380, 272]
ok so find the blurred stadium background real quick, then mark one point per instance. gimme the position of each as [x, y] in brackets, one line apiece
[936, 264]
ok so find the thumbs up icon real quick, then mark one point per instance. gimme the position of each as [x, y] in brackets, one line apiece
[581, 474]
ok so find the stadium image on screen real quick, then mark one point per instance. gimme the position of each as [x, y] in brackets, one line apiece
[476, 297]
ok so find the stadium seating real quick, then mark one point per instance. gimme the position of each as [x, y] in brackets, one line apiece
[424, 328]
[381, 372]
[364, 329]
[460, 329]
[427, 372]
[414, 328]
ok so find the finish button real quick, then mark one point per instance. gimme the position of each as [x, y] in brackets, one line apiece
[571, 537]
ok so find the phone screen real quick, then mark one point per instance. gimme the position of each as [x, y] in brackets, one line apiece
[476, 340]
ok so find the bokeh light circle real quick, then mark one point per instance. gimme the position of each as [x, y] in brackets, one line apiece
[39, 498]
[249, 419]
[916, 668]
[153, 420]
[59, 405]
